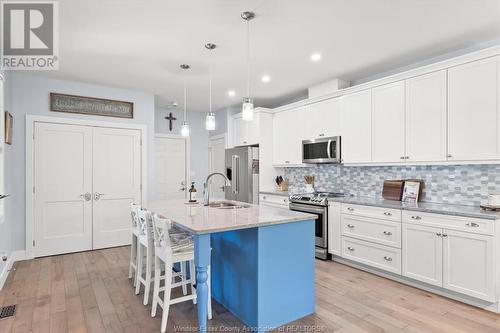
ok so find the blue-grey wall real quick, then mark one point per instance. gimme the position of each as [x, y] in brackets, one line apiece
[455, 184]
[29, 94]
[198, 139]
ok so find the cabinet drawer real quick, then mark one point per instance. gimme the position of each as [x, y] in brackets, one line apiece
[369, 211]
[478, 226]
[373, 230]
[273, 199]
[379, 256]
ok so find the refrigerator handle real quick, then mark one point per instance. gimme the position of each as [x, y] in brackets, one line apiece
[235, 175]
[237, 178]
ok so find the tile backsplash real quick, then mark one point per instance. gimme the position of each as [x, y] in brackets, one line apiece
[453, 184]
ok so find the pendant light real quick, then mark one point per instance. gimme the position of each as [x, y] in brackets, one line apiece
[185, 126]
[247, 106]
[210, 119]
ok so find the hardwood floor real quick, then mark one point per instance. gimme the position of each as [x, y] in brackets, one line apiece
[90, 292]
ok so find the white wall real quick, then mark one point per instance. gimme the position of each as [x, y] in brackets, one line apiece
[199, 139]
[29, 94]
[6, 228]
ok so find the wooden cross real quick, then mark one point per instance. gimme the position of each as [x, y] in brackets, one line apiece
[170, 118]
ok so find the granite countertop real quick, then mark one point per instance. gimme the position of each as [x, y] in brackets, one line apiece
[200, 219]
[426, 207]
[274, 192]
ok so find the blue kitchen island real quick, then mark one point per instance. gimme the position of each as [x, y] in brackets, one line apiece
[262, 260]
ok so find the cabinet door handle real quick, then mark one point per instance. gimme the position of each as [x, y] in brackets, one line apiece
[472, 225]
[350, 209]
[449, 155]
[264, 197]
[407, 157]
[416, 217]
[402, 158]
[387, 258]
[350, 248]
[387, 214]
[445, 235]
[321, 134]
[287, 162]
[388, 233]
[439, 234]
[350, 226]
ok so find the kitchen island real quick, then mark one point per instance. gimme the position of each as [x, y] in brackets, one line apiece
[262, 260]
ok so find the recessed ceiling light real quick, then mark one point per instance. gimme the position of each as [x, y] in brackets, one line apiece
[316, 57]
[266, 78]
[231, 93]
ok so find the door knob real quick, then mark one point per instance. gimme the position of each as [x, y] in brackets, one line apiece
[87, 196]
[98, 196]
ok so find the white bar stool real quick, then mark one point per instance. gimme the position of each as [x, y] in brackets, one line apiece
[172, 248]
[145, 251]
[132, 271]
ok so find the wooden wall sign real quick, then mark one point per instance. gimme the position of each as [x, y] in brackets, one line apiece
[91, 106]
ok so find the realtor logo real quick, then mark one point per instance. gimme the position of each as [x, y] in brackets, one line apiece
[30, 33]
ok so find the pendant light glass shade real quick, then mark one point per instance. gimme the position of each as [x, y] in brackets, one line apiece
[210, 121]
[185, 129]
[247, 109]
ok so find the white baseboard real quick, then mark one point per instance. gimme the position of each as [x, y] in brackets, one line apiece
[15, 256]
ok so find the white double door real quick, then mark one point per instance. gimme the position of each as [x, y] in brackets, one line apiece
[84, 181]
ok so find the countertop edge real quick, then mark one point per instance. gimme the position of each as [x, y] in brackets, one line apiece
[280, 193]
[398, 205]
[261, 224]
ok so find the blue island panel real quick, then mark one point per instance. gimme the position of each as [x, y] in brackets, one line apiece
[265, 276]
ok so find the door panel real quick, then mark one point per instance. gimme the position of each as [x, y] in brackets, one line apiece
[116, 184]
[388, 123]
[473, 109]
[426, 117]
[468, 265]
[62, 173]
[356, 120]
[423, 254]
[170, 168]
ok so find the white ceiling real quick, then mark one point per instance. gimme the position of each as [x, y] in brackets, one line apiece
[140, 44]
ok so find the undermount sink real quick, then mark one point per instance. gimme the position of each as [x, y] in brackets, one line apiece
[227, 205]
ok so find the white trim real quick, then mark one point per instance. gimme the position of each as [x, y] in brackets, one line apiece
[188, 155]
[434, 67]
[30, 125]
[14, 256]
[217, 137]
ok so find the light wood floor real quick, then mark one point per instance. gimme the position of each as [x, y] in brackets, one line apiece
[90, 292]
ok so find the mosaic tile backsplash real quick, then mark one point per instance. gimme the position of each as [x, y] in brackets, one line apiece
[454, 184]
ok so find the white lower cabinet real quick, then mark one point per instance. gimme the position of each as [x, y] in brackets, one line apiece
[273, 200]
[372, 254]
[423, 254]
[455, 253]
[334, 228]
[468, 265]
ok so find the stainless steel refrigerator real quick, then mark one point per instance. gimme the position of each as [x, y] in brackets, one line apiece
[242, 169]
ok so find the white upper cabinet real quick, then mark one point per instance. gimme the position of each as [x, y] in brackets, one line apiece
[473, 110]
[246, 133]
[322, 119]
[426, 117]
[288, 129]
[356, 117]
[388, 123]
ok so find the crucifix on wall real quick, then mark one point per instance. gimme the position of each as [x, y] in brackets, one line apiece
[170, 119]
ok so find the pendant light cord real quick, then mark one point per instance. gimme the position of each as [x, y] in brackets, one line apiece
[185, 99]
[248, 58]
[210, 83]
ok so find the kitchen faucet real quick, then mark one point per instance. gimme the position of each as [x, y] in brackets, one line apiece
[206, 192]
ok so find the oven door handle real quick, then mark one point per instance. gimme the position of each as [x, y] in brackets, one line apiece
[307, 208]
[328, 149]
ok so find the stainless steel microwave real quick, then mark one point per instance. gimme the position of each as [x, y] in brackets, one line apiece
[322, 150]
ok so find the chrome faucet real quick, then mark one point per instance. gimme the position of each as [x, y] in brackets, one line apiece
[206, 192]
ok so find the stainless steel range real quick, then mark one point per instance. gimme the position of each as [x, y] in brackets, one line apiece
[316, 203]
